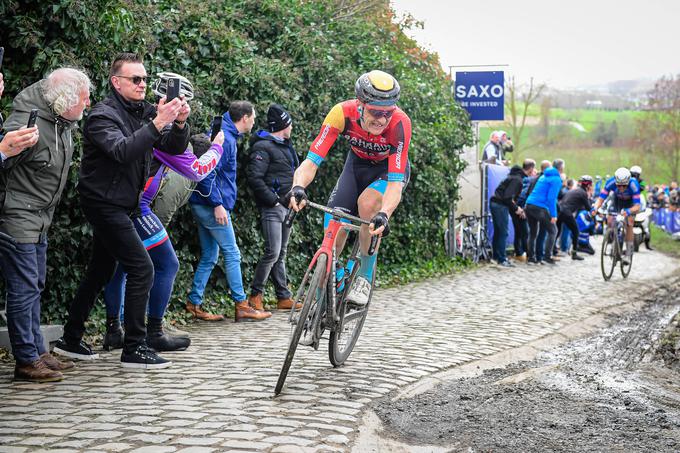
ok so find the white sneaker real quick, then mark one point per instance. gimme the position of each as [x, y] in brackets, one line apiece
[360, 291]
[306, 339]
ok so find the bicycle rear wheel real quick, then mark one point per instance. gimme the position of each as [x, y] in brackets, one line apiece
[313, 294]
[346, 333]
[608, 255]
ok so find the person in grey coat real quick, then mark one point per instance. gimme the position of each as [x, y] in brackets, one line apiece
[31, 184]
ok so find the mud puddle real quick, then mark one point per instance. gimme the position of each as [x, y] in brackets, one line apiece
[617, 390]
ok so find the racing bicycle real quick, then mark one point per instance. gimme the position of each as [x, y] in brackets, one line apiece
[612, 249]
[323, 295]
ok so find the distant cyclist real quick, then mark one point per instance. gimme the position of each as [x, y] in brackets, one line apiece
[636, 172]
[626, 200]
[375, 172]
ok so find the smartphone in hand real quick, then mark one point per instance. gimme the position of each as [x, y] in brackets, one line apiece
[2, 55]
[31, 118]
[215, 127]
[172, 91]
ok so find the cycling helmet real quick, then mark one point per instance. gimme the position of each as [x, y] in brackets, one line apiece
[160, 85]
[635, 171]
[622, 176]
[377, 88]
[585, 180]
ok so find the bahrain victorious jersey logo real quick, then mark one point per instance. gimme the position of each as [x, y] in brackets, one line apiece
[344, 120]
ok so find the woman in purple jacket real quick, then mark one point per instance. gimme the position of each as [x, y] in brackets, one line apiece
[158, 244]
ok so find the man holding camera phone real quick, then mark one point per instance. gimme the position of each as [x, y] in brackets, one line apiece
[32, 177]
[120, 135]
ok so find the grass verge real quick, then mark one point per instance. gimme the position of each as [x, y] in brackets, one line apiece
[663, 242]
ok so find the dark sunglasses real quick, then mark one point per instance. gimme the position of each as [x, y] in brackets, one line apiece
[135, 79]
[381, 113]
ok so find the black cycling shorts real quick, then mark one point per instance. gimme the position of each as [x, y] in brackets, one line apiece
[620, 205]
[357, 175]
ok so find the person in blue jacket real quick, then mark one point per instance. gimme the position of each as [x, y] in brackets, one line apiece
[541, 210]
[211, 204]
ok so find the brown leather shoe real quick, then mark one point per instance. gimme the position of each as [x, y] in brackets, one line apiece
[198, 313]
[287, 304]
[256, 302]
[55, 364]
[36, 371]
[244, 312]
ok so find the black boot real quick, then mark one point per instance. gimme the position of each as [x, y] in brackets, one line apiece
[575, 256]
[113, 339]
[161, 341]
[648, 245]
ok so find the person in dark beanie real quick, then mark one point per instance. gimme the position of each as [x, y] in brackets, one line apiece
[502, 203]
[119, 138]
[272, 163]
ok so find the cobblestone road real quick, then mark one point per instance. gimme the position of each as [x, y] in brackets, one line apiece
[218, 395]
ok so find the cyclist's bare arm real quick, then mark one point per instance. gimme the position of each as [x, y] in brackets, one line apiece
[304, 175]
[390, 201]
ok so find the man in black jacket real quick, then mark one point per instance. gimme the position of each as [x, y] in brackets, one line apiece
[273, 161]
[572, 202]
[119, 137]
[503, 202]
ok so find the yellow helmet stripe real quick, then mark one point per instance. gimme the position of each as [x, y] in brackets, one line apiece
[381, 80]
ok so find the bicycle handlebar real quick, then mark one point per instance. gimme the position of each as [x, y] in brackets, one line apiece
[338, 214]
[472, 217]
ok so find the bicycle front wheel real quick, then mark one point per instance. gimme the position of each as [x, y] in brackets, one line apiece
[346, 332]
[625, 268]
[313, 295]
[608, 255]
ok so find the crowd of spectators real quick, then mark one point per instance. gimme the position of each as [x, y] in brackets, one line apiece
[665, 196]
[550, 214]
[139, 164]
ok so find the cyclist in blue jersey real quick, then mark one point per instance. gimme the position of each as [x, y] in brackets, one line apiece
[626, 190]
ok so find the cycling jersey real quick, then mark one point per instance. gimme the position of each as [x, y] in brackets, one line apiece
[345, 119]
[630, 196]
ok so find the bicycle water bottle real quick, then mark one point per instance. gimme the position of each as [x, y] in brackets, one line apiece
[342, 274]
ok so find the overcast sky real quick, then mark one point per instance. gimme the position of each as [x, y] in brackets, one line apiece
[565, 43]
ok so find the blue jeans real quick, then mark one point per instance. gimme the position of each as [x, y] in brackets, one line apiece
[215, 238]
[565, 239]
[499, 214]
[24, 274]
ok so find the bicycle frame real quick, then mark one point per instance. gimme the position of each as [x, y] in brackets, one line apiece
[328, 247]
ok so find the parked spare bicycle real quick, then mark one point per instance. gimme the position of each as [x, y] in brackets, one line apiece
[471, 237]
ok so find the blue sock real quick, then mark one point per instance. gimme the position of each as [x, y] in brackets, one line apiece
[367, 265]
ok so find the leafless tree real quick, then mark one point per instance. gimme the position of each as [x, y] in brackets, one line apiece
[658, 131]
[518, 98]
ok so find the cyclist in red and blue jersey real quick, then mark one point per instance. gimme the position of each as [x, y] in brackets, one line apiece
[376, 170]
[626, 201]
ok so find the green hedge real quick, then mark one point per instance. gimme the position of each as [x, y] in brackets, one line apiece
[305, 55]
